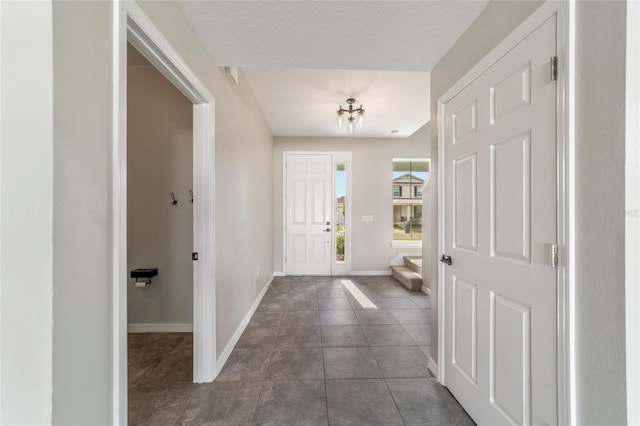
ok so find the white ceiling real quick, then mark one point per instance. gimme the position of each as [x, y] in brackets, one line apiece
[293, 52]
[298, 102]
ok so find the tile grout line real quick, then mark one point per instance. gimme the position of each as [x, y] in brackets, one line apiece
[255, 406]
[185, 407]
[395, 402]
[387, 384]
[263, 381]
[280, 326]
[324, 380]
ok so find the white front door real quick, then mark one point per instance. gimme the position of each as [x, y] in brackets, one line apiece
[308, 203]
[500, 183]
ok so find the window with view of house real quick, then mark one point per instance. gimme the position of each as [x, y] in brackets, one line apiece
[409, 177]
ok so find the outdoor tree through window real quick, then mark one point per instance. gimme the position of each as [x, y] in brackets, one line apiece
[409, 177]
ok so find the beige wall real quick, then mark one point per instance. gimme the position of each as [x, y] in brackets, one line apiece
[82, 56]
[600, 36]
[26, 215]
[600, 115]
[159, 161]
[81, 212]
[244, 152]
[372, 165]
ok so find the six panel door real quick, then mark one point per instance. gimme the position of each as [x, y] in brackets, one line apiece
[308, 224]
[500, 201]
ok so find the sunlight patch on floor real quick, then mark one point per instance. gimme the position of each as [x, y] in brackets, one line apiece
[364, 301]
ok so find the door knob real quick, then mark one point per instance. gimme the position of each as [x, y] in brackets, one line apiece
[327, 230]
[446, 259]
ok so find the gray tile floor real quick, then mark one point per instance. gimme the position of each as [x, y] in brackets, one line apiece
[318, 351]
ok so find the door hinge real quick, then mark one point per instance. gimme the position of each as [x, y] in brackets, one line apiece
[554, 68]
[554, 256]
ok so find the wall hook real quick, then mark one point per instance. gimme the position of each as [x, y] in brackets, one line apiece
[191, 194]
[173, 199]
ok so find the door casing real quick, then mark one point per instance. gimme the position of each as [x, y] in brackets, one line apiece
[337, 157]
[565, 48]
[131, 24]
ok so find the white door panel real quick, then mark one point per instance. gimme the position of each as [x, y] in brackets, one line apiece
[309, 209]
[500, 189]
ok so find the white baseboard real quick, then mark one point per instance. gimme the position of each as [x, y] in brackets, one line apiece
[433, 367]
[371, 273]
[159, 328]
[279, 274]
[426, 290]
[224, 356]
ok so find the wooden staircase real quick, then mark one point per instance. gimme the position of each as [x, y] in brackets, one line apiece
[409, 274]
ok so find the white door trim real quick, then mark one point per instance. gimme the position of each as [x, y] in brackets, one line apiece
[632, 214]
[131, 24]
[336, 157]
[566, 199]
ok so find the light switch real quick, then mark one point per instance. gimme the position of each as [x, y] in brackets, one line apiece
[367, 219]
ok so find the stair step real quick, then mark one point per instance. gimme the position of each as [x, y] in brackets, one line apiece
[408, 277]
[414, 263]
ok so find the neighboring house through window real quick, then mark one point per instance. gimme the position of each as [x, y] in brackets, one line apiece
[409, 176]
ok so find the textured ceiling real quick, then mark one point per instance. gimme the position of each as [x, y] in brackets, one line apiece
[304, 102]
[293, 52]
[369, 35]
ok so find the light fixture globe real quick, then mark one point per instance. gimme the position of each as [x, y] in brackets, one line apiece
[351, 120]
[351, 126]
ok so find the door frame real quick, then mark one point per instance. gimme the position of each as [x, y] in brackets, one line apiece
[565, 48]
[131, 24]
[337, 157]
[632, 212]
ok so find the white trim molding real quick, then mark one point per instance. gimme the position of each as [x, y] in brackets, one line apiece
[119, 217]
[632, 214]
[224, 356]
[406, 244]
[160, 328]
[432, 365]
[131, 24]
[370, 273]
[565, 12]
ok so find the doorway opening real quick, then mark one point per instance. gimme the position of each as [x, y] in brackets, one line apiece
[131, 25]
[160, 231]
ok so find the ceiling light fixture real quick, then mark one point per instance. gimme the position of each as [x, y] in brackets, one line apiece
[351, 120]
